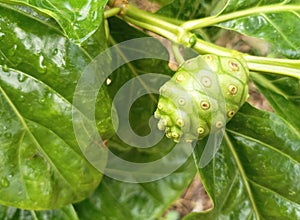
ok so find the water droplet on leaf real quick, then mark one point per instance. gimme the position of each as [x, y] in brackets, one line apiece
[42, 68]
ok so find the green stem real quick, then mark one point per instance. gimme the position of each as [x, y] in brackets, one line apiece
[156, 29]
[179, 35]
[209, 21]
[111, 12]
[205, 47]
[149, 18]
[177, 53]
[284, 67]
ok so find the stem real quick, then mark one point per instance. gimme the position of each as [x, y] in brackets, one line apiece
[149, 18]
[284, 67]
[167, 34]
[180, 35]
[205, 47]
[208, 21]
[177, 53]
[111, 12]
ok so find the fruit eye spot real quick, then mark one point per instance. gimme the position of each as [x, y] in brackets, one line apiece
[219, 124]
[208, 58]
[206, 82]
[205, 105]
[230, 114]
[200, 130]
[232, 89]
[181, 101]
[180, 122]
[169, 134]
[180, 78]
[160, 106]
[175, 134]
[234, 66]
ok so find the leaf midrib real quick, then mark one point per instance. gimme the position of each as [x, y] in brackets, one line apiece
[286, 38]
[243, 175]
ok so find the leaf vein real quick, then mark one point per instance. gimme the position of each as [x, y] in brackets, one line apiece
[272, 191]
[264, 144]
[286, 38]
[229, 190]
[19, 163]
[243, 175]
[37, 144]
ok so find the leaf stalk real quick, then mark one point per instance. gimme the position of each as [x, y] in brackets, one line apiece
[213, 20]
[181, 34]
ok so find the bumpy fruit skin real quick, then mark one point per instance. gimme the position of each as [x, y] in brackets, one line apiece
[189, 103]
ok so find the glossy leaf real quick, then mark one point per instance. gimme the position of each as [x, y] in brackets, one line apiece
[39, 72]
[115, 199]
[78, 19]
[283, 36]
[283, 93]
[145, 109]
[256, 172]
[41, 52]
[185, 10]
[120, 200]
[65, 213]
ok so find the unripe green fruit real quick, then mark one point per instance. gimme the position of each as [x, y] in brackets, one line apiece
[190, 101]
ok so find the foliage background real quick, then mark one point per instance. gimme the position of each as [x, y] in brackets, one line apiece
[260, 148]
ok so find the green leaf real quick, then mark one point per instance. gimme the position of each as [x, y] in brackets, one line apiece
[185, 10]
[78, 19]
[42, 166]
[256, 172]
[263, 19]
[283, 93]
[65, 213]
[143, 109]
[120, 200]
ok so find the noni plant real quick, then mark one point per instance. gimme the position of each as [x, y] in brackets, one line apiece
[110, 108]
